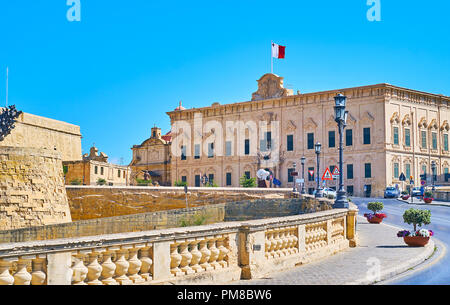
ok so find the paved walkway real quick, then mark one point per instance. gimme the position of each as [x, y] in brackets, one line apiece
[421, 202]
[378, 246]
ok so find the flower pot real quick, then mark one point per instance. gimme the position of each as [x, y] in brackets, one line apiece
[405, 197]
[416, 241]
[374, 219]
[428, 200]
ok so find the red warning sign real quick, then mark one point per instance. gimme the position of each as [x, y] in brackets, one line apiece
[327, 175]
[336, 172]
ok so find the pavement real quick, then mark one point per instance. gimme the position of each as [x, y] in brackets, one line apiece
[379, 256]
[421, 202]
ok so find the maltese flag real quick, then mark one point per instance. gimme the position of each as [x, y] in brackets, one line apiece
[278, 51]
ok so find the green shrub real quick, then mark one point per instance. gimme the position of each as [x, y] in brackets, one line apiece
[142, 182]
[211, 184]
[375, 206]
[101, 181]
[417, 217]
[428, 194]
[195, 220]
[405, 193]
[76, 182]
[180, 183]
[245, 182]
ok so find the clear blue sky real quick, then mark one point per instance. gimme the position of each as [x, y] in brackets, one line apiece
[126, 63]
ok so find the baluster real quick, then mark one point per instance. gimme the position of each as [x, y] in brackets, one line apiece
[5, 277]
[135, 265]
[38, 275]
[284, 242]
[108, 268]
[94, 269]
[223, 252]
[175, 260]
[273, 244]
[79, 269]
[294, 243]
[214, 253]
[267, 245]
[147, 262]
[279, 242]
[206, 254]
[186, 258]
[122, 266]
[22, 276]
[196, 256]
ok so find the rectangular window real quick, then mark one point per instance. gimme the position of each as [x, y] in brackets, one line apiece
[445, 142]
[96, 169]
[348, 137]
[247, 147]
[310, 140]
[290, 142]
[266, 143]
[247, 175]
[366, 133]
[197, 151]
[183, 179]
[211, 178]
[349, 171]
[101, 171]
[210, 150]
[228, 148]
[434, 140]
[331, 139]
[228, 179]
[367, 170]
[408, 170]
[407, 137]
[311, 177]
[183, 152]
[424, 169]
[424, 138]
[290, 178]
[197, 180]
[118, 173]
[350, 190]
[396, 136]
[396, 171]
[446, 174]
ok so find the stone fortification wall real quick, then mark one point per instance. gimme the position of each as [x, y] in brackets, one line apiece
[32, 191]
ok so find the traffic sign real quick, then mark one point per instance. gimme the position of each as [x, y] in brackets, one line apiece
[327, 175]
[403, 177]
[422, 182]
[311, 172]
[300, 180]
[294, 174]
[336, 171]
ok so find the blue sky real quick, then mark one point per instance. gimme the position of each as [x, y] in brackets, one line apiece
[126, 63]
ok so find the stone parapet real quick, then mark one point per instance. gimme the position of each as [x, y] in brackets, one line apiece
[32, 191]
[216, 253]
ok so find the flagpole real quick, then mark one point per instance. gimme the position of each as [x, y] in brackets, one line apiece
[6, 86]
[271, 57]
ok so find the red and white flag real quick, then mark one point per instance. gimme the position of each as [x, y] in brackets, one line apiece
[278, 51]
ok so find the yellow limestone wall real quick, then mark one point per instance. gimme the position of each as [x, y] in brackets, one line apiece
[32, 191]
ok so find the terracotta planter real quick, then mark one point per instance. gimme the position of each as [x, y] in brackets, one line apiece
[406, 197]
[416, 241]
[428, 200]
[374, 220]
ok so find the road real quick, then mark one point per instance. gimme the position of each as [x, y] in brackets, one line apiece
[437, 274]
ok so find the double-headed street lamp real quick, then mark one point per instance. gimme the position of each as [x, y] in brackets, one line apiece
[294, 189]
[433, 172]
[319, 191]
[341, 120]
[303, 160]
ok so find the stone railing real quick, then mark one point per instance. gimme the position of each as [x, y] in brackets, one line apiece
[441, 196]
[217, 253]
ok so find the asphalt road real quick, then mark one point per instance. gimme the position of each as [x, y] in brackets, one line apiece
[437, 274]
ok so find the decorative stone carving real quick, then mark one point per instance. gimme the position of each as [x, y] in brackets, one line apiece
[38, 275]
[108, 269]
[94, 269]
[395, 119]
[270, 86]
[290, 126]
[5, 277]
[423, 123]
[445, 126]
[147, 262]
[406, 120]
[22, 276]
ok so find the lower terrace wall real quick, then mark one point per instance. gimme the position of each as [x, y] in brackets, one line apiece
[441, 196]
[92, 202]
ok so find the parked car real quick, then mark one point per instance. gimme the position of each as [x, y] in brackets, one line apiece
[327, 191]
[417, 191]
[391, 192]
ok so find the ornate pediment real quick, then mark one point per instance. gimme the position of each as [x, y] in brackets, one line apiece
[290, 126]
[445, 126]
[423, 123]
[367, 117]
[406, 120]
[331, 121]
[268, 117]
[433, 125]
[270, 86]
[395, 119]
[310, 124]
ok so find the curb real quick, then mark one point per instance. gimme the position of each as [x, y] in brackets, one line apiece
[427, 204]
[392, 272]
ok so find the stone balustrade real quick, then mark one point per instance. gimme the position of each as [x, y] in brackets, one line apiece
[216, 253]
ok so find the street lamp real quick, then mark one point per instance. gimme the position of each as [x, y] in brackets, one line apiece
[433, 172]
[303, 160]
[319, 192]
[341, 119]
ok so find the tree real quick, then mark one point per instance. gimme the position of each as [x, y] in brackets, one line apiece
[375, 206]
[417, 217]
[247, 182]
[101, 181]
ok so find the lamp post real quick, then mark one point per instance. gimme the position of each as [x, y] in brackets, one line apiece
[341, 120]
[433, 172]
[303, 160]
[294, 177]
[318, 148]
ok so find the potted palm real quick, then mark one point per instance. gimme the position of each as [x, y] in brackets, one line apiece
[416, 217]
[428, 197]
[375, 217]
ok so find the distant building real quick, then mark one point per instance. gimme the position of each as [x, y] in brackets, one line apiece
[93, 167]
[152, 157]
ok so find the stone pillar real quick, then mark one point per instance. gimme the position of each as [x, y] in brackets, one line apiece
[32, 191]
[161, 260]
[351, 225]
[251, 252]
[59, 270]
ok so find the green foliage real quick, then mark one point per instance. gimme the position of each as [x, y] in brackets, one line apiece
[245, 182]
[142, 182]
[211, 184]
[428, 194]
[76, 182]
[405, 193]
[101, 181]
[195, 220]
[375, 206]
[65, 169]
[180, 183]
[417, 217]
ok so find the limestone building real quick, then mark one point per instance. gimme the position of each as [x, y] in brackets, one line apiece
[390, 130]
[153, 156]
[34, 131]
[93, 167]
